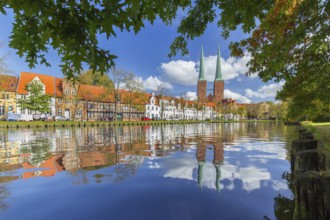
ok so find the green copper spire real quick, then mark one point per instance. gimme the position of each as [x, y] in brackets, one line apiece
[201, 67]
[218, 75]
[218, 175]
[200, 173]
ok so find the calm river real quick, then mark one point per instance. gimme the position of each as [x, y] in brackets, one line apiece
[195, 171]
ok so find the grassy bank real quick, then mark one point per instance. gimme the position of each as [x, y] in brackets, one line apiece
[42, 124]
[321, 132]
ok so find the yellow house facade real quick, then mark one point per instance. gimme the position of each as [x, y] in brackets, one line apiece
[8, 101]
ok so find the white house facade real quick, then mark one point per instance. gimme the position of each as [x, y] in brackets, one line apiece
[170, 109]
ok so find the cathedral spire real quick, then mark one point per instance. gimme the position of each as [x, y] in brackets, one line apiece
[201, 67]
[218, 74]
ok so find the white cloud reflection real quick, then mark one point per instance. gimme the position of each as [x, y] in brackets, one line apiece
[237, 176]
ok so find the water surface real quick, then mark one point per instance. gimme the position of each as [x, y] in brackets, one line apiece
[195, 171]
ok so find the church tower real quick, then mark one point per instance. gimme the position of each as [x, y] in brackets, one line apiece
[218, 88]
[202, 83]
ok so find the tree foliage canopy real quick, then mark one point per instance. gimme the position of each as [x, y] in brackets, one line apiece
[95, 79]
[289, 39]
[36, 101]
[4, 69]
[72, 28]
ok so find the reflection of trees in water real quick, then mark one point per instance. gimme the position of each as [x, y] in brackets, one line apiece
[39, 150]
[121, 171]
[283, 206]
[4, 194]
[79, 177]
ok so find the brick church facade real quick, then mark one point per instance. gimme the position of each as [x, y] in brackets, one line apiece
[218, 86]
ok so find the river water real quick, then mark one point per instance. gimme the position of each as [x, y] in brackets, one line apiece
[193, 171]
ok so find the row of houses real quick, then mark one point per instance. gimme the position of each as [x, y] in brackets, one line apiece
[90, 103]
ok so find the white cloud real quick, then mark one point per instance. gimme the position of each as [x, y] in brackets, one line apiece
[180, 72]
[238, 97]
[186, 72]
[190, 96]
[230, 68]
[154, 84]
[267, 91]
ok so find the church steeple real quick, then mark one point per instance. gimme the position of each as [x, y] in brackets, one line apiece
[201, 67]
[218, 74]
[218, 89]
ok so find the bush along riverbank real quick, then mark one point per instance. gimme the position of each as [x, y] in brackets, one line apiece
[310, 169]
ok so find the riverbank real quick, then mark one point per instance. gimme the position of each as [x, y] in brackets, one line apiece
[310, 169]
[321, 132]
[43, 124]
[46, 124]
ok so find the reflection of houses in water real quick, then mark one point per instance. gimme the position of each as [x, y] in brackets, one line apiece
[9, 148]
[49, 167]
[95, 147]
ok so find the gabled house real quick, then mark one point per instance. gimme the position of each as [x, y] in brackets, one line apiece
[88, 102]
[8, 85]
[152, 108]
[49, 88]
[82, 102]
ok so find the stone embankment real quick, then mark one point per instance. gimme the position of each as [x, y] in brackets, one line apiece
[310, 167]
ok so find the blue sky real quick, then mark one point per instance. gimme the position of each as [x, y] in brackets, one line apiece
[145, 55]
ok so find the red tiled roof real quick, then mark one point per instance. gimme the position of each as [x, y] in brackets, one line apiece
[26, 77]
[94, 93]
[8, 83]
[210, 104]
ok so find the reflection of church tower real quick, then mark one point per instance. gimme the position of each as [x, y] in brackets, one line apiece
[218, 82]
[217, 161]
[201, 158]
[201, 85]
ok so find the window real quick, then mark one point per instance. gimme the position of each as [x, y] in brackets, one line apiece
[59, 112]
[7, 96]
[2, 110]
[152, 108]
[79, 114]
[67, 91]
[10, 108]
[148, 107]
[90, 115]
